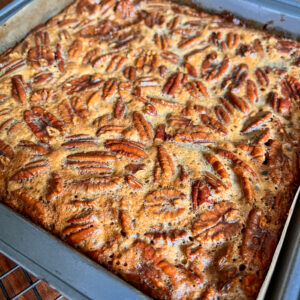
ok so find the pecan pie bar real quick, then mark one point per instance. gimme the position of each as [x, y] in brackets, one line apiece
[160, 140]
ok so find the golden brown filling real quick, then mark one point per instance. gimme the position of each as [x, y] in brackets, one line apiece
[160, 140]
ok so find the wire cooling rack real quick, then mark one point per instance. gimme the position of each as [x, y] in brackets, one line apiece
[29, 282]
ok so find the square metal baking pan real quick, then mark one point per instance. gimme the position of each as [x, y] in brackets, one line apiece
[72, 273]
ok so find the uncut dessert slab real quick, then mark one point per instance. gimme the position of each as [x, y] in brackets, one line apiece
[161, 141]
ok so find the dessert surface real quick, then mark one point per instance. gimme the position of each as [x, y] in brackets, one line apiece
[160, 140]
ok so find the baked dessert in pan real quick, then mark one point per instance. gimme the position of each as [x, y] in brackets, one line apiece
[160, 140]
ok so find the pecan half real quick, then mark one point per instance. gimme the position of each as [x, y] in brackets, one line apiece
[264, 137]
[257, 152]
[216, 164]
[147, 81]
[42, 77]
[103, 29]
[75, 49]
[6, 124]
[86, 6]
[278, 164]
[130, 73]
[286, 47]
[11, 66]
[34, 208]
[237, 78]
[143, 127]
[91, 56]
[124, 9]
[110, 128]
[124, 40]
[94, 185]
[66, 112]
[273, 100]
[91, 156]
[213, 124]
[82, 83]
[262, 77]
[94, 99]
[258, 122]
[124, 217]
[222, 114]
[173, 23]
[154, 270]
[79, 107]
[147, 61]
[179, 121]
[95, 167]
[54, 186]
[18, 88]
[219, 71]
[29, 172]
[171, 57]
[190, 42]
[245, 183]
[133, 182]
[196, 89]
[165, 237]
[290, 87]
[109, 88]
[59, 58]
[162, 41]
[239, 103]
[6, 150]
[200, 194]
[165, 204]
[214, 182]
[194, 137]
[81, 227]
[217, 225]
[127, 148]
[79, 140]
[134, 168]
[252, 92]
[258, 243]
[124, 89]
[116, 63]
[233, 40]
[173, 82]
[154, 18]
[38, 55]
[39, 149]
[284, 105]
[258, 48]
[40, 121]
[229, 107]
[67, 22]
[119, 109]
[183, 174]
[165, 169]
[150, 109]
[161, 134]
[164, 102]
[236, 160]
[43, 95]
